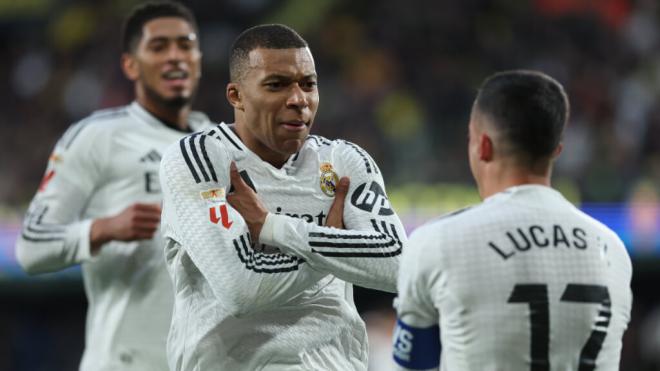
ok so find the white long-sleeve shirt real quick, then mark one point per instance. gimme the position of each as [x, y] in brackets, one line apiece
[285, 304]
[523, 281]
[101, 165]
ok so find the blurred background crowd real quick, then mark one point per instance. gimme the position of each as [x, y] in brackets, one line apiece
[396, 77]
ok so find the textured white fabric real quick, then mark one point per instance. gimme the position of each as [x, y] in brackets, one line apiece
[461, 271]
[244, 307]
[100, 166]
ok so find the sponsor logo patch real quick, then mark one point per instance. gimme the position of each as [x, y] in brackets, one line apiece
[328, 180]
[214, 195]
[371, 199]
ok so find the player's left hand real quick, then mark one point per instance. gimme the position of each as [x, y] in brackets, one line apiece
[336, 213]
[247, 203]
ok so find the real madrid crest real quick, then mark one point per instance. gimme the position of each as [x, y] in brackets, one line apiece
[328, 180]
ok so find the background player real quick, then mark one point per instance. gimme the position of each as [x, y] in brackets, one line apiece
[254, 306]
[523, 281]
[99, 203]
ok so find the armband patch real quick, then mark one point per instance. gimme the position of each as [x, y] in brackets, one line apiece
[416, 348]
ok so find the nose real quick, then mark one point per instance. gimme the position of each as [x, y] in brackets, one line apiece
[297, 98]
[174, 53]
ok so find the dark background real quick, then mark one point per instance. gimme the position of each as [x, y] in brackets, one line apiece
[396, 77]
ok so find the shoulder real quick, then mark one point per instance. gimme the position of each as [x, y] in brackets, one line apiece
[202, 152]
[99, 122]
[352, 156]
[451, 221]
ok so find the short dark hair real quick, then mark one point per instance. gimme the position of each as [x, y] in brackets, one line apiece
[529, 109]
[143, 13]
[268, 36]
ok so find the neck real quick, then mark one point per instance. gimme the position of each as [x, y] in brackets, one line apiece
[175, 116]
[259, 148]
[497, 177]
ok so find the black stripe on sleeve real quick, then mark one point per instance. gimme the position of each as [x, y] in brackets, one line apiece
[184, 152]
[264, 263]
[229, 137]
[35, 231]
[365, 158]
[385, 254]
[202, 145]
[353, 245]
[198, 161]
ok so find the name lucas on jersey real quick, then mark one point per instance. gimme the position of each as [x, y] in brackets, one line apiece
[523, 239]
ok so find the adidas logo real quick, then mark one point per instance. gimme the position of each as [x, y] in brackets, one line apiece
[152, 156]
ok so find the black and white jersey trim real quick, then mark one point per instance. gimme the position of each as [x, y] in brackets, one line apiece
[193, 147]
[320, 141]
[36, 231]
[368, 162]
[264, 263]
[228, 136]
[358, 243]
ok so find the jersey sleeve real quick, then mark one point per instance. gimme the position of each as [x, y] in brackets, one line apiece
[367, 252]
[195, 178]
[416, 342]
[53, 235]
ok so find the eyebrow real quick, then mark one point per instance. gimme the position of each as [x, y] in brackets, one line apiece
[188, 37]
[288, 77]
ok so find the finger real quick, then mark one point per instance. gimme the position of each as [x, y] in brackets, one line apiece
[147, 215]
[342, 188]
[336, 213]
[147, 207]
[235, 178]
[146, 218]
[146, 224]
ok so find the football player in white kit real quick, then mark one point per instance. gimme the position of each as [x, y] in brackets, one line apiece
[99, 203]
[272, 289]
[525, 280]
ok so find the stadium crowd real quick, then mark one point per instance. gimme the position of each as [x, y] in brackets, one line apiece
[398, 79]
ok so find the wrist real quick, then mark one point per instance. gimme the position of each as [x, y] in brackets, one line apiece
[98, 235]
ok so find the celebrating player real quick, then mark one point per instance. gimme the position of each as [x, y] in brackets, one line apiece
[525, 280]
[99, 203]
[271, 288]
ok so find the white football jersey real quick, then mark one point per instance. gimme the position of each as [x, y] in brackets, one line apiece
[523, 281]
[100, 166]
[287, 303]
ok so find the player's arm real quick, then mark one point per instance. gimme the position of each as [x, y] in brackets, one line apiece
[54, 236]
[366, 253]
[194, 178]
[416, 339]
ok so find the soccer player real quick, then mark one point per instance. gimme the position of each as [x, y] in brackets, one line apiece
[525, 280]
[272, 289]
[99, 203]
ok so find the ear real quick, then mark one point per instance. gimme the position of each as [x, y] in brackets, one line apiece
[234, 96]
[130, 67]
[558, 150]
[485, 148]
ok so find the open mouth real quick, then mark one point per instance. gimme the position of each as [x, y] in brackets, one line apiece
[175, 75]
[295, 125]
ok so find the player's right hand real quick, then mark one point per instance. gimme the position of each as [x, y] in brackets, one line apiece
[137, 222]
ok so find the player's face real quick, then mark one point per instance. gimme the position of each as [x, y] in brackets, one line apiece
[166, 63]
[279, 99]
